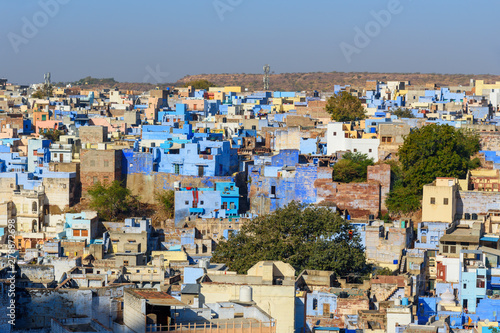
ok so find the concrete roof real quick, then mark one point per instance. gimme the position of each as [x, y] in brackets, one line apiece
[461, 235]
[156, 297]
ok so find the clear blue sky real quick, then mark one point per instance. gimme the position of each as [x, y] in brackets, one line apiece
[128, 39]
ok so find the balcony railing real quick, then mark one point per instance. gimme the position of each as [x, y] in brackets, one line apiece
[250, 326]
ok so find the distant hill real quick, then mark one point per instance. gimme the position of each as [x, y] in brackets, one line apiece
[290, 81]
[110, 83]
[325, 81]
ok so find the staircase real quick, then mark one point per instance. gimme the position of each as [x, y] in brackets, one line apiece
[65, 284]
[402, 265]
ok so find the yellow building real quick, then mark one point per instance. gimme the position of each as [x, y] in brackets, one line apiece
[170, 257]
[272, 289]
[480, 85]
[439, 200]
[233, 89]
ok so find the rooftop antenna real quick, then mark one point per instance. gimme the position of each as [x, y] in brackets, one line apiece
[47, 85]
[46, 78]
[267, 70]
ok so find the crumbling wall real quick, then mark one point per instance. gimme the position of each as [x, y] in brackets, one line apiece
[36, 307]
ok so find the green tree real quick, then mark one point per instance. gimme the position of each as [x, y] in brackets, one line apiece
[45, 91]
[112, 201]
[429, 152]
[383, 271]
[403, 113]
[345, 107]
[306, 237]
[200, 84]
[53, 135]
[166, 201]
[351, 168]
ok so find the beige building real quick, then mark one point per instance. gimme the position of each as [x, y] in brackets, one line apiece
[273, 290]
[439, 200]
[29, 210]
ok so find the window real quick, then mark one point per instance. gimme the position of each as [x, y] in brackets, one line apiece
[224, 205]
[176, 169]
[334, 133]
[232, 205]
[125, 263]
[34, 207]
[370, 150]
[346, 135]
[445, 249]
[201, 202]
[453, 249]
[355, 150]
[94, 179]
[76, 232]
[92, 163]
[273, 190]
[44, 117]
[186, 202]
[84, 233]
[433, 201]
[445, 201]
[106, 164]
[315, 304]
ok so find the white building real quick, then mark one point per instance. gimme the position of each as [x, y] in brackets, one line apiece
[338, 139]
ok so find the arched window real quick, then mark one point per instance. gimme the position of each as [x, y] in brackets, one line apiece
[34, 228]
[34, 207]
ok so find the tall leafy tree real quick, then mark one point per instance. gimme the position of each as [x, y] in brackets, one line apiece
[351, 168]
[112, 200]
[403, 113]
[45, 91]
[429, 152]
[345, 107]
[306, 237]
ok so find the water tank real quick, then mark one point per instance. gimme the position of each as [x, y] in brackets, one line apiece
[405, 301]
[397, 301]
[245, 294]
[204, 263]
[348, 217]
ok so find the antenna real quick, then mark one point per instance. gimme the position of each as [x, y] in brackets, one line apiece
[267, 70]
[46, 78]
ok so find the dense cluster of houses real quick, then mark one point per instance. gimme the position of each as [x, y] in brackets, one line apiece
[230, 155]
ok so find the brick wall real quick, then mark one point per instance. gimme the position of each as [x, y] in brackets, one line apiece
[93, 134]
[100, 166]
[360, 199]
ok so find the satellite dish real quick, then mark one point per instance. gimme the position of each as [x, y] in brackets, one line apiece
[486, 321]
[453, 323]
